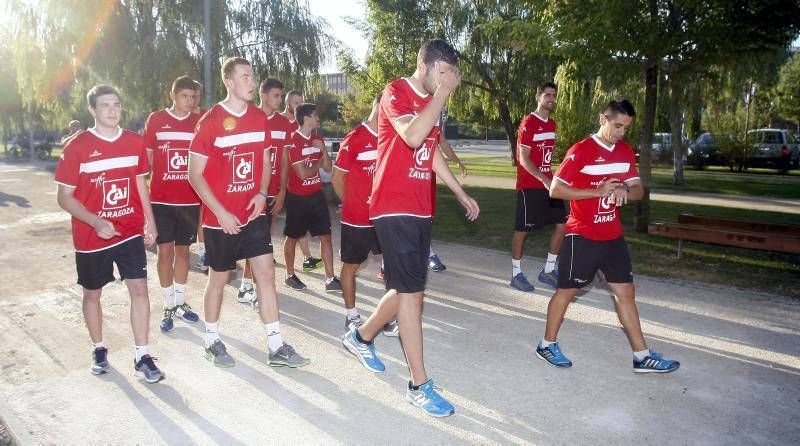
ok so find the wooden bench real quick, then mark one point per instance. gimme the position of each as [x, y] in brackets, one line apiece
[730, 232]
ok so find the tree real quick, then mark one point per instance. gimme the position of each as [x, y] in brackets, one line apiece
[788, 89]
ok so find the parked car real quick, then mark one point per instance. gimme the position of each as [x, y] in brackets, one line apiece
[705, 151]
[662, 147]
[776, 148]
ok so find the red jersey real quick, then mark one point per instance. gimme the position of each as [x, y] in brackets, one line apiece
[103, 172]
[235, 145]
[357, 156]
[539, 135]
[586, 165]
[280, 130]
[403, 174]
[167, 138]
[301, 150]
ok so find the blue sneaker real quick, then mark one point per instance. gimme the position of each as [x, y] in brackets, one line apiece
[364, 352]
[655, 363]
[184, 311]
[552, 354]
[435, 264]
[428, 399]
[520, 282]
[166, 321]
[550, 279]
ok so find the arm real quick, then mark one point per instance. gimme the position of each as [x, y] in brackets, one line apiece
[197, 164]
[447, 149]
[281, 198]
[562, 190]
[327, 165]
[259, 200]
[337, 180]
[524, 159]
[629, 190]
[67, 201]
[150, 231]
[414, 129]
[443, 172]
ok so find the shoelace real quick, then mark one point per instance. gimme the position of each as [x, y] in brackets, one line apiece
[185, 307]
[149, 361]
[169, 312]
[286, 350]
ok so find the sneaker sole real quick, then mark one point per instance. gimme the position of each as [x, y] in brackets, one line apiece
[354, 352]
[222, 366]
[286, 364]
[548, 284]
[533, 288]
[190, 320]
[435, 415]
[166, 331]
[655, 371]
[139, 374]
[99, 371]
[391, 334]
[295, 288]
[551, 364]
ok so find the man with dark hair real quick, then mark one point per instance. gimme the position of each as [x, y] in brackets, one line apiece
[229, 168]
[409, 127]
[536, 139]
[352, 182]
[176, 207]
[598, 176]
[306, 208]
[102, 183]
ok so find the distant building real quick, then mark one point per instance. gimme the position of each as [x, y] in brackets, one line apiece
[336, 83]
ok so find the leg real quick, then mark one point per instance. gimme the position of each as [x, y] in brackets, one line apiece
[247, 273]
[386, 312]
[409, 319]
[517, 244]
[625, 304]
[304, 247]
[165, 263]
[556, 310]
[348, 278]
[181, 270]
[212, 298]
[140, 309]
[289, 246]
[264, 273]
[93, 314]
[556, 239]
[326, 248]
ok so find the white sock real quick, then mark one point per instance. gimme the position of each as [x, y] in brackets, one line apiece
[639, 356]
[141, 350]
[545, 344]
[328, 280]
[516, 267]
[212, 333]
[100, 344]
[352, 313]
[169, 296]
[432, 252]
[180, 293]
[246, 284]
[550, 264]
[274, 338]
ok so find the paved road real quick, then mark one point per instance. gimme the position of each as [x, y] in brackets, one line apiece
[739, 382]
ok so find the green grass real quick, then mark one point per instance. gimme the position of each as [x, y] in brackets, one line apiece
[651, 255]
[760, 182]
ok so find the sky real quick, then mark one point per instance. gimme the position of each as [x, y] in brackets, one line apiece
[333, 12]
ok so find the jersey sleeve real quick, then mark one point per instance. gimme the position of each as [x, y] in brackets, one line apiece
[150, 133]
[524, 135]
[144, 166]
[633, 173]
[570, 166]
[68, 167]
[293, 152]
[344, 159]
[201, 142]
[395, 103]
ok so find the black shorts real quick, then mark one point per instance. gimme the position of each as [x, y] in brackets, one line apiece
[536, 209]
[96, 269]
[223, 250]
[406, 244]
[176, 223]
[357, 243]
[580, 258]
[307, 213]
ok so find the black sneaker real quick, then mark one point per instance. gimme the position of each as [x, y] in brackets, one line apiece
[334, 286]
[147, 369]
[311, 263]
[100, 361]
[294, 283]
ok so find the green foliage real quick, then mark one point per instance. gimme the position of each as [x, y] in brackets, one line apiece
[788, 89]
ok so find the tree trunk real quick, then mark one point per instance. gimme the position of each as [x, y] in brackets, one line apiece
[641, 218]
[675, 123]
[511, 131]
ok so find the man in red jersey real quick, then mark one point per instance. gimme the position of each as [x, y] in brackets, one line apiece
[230, 170]
[536, 139]
[176, 207]
[306, 208]
[101, 183]
[409, 125]
[352, 182]
[280, 129]
[598, 176]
